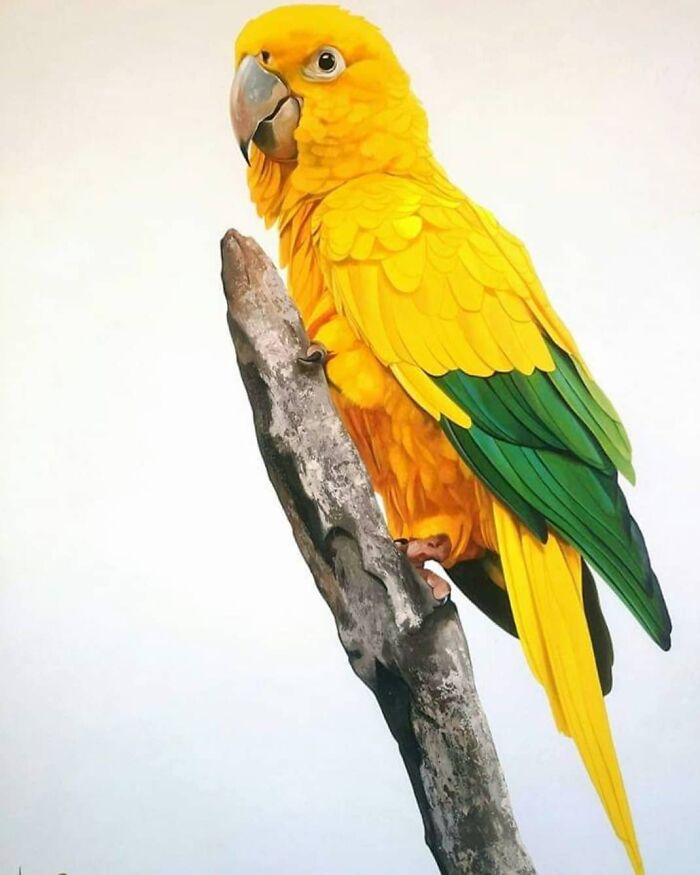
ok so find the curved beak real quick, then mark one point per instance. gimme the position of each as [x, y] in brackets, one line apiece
[264, 111]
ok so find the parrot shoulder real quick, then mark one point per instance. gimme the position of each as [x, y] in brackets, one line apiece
[430, 280]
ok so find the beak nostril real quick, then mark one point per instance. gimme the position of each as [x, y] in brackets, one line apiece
[265, 57]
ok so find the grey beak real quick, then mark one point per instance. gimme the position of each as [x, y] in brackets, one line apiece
[263, 110]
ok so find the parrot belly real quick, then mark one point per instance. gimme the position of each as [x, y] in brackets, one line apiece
[426, 489]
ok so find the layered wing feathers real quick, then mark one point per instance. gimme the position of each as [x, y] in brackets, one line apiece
[423, 281]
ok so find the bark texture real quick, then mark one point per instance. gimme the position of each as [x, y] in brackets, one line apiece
[410, 651]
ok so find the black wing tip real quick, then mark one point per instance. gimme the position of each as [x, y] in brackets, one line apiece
[662, 633]
[664, 640]
[661, 629]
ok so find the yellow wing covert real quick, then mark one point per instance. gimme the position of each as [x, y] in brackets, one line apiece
[432, 284]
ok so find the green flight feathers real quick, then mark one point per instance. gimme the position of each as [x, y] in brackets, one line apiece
[549, 446]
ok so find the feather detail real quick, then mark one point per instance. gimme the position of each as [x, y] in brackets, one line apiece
[544, 585]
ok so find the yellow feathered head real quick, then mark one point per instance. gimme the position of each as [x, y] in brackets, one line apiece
[319, 87]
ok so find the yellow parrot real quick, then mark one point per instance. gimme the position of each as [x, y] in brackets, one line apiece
[493, 449]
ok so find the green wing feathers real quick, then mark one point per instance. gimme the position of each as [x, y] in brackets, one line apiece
[549, 446]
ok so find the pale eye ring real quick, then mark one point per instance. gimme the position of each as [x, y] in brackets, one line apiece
[327, 63]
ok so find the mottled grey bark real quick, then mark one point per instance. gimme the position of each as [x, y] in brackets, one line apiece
[410, 651]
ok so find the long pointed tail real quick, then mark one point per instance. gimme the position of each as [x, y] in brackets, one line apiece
[544, 586]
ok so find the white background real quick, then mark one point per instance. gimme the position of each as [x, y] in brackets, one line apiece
[174, 699]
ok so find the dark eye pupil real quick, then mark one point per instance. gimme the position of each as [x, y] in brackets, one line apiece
[326, 61]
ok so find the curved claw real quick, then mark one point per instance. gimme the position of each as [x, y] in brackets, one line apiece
[316, 354]
[440, 587]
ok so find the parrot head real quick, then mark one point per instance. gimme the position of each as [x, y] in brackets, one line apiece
[320, 88]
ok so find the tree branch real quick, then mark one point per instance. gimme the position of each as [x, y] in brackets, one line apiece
[407, 649]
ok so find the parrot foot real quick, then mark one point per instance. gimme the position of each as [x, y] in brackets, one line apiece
[419, 551]
[440, 587]
[316, 354]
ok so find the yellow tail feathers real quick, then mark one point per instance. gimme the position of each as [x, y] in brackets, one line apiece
[544, 586]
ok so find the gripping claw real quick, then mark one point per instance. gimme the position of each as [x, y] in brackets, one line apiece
[316, 354]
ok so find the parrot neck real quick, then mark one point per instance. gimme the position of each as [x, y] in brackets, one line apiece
[339, 142]
[340, 139]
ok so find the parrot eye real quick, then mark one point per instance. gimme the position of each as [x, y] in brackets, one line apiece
[326, 64]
